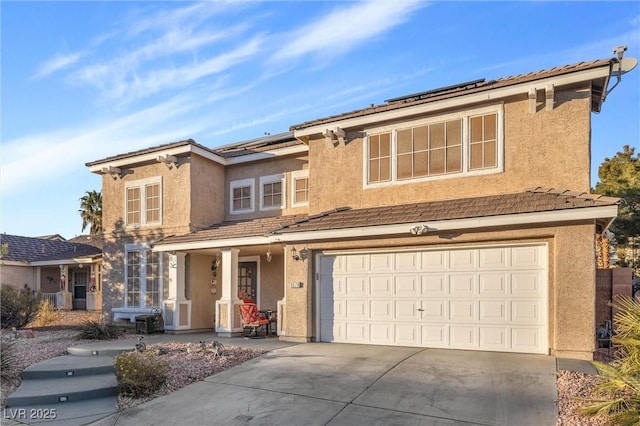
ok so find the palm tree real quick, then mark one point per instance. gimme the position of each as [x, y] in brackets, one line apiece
[91, 211]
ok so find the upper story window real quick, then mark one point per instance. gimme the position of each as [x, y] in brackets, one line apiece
[455, 144]
[143, 202]
[272, 192]
[242, 196]
[300, 188]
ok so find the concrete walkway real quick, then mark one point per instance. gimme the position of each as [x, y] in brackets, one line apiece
[341, 384]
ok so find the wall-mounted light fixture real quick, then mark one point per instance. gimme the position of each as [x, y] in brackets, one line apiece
[420, 229]
[299, 255]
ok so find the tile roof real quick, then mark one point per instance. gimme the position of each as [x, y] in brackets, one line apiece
[28, 249]
[262, 144]
[458, 90]
[532, 200]
[236, 229]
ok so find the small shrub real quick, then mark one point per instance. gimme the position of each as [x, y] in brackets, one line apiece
[46, 314]
[8, 360]
[140, 374]
[95, 330]
[17, 307]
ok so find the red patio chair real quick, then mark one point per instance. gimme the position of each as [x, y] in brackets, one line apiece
[251, 318]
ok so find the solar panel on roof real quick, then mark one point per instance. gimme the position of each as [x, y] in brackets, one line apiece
[433, 91]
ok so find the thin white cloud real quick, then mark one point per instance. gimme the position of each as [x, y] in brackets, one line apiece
[346, 27]
[57, 63]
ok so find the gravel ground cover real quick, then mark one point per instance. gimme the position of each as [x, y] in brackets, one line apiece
[190, 363]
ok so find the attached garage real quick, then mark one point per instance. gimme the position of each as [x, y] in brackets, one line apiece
[479, 298]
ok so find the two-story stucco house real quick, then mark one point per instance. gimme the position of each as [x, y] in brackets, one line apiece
[459, 217]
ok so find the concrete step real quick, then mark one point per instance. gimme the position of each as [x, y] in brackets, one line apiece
[63, 414]
[107, 349]
[63, 390]
[69, 366]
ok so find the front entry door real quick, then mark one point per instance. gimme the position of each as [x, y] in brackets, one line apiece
[80, 290]
[248, 280]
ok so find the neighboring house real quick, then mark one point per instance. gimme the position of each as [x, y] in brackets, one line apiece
[67, 272]
[460, 217]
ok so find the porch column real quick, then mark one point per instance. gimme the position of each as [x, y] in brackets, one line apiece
[63, 297]
[177, 309]
[227, 319]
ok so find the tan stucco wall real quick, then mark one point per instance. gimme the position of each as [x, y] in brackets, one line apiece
[255, 170]
[548, 148]
[203, 303]
[575, 293]
[271, 282]
[18, 276]
[207, 192]
[298, 320]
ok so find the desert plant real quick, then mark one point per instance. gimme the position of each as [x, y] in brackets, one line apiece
[96, 330]
[46, 314]
[140, 374]
[8, 360]
[17, 307]
[619, 388]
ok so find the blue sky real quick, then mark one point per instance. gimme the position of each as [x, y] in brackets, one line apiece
[81, 81]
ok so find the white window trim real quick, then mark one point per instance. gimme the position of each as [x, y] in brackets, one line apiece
[142, 184]
[240, 184]
[465, 116]
[143, 249]
[298, 174]
[273, 179]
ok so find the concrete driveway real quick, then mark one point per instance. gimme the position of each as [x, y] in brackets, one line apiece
[341, 384]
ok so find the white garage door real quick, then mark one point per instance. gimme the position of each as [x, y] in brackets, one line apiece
[490, 298]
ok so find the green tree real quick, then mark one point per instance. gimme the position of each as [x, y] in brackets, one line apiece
[620, 177]
[91, 211]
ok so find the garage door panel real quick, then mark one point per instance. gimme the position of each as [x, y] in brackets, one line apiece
[526, 312]
[525, 339]
[482, 298]
[357, 332]
[435, 310]
[357, 286]
[381, 333]
[492, 285]
[406, 262]
[406, 310]
[527, 257]
[462, 311]
[434, 285]
[356, 309]
[462, 285]
[463, 336]
[527, 284]
[492, 311]
[434, 260]
[381, 310]
[462, 259]
[381, 286]
[382, 262]
[493, 258]
[357, 263]
[406, 286]
[406, 334]
[435, 336]
[494, 338]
